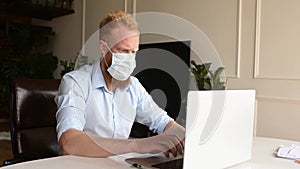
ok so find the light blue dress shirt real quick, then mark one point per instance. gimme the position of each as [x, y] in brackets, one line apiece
[84, 103]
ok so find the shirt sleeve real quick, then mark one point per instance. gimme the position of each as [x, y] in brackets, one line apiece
[71, 105]
[148, 112]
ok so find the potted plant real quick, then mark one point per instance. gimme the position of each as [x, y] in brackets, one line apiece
[207, 79]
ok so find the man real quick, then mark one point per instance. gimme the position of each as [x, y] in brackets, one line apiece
[98, 104]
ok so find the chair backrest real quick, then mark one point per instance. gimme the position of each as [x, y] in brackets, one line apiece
[33, 122]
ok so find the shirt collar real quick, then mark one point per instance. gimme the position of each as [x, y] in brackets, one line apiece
[98, 80]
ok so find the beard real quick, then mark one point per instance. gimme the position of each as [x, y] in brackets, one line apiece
[120, 84]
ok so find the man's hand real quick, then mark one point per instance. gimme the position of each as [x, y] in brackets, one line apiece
[179, 148]
[171, 141]
[175, 129]
[161, 143]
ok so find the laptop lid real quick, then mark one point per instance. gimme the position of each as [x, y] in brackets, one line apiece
[219, 128]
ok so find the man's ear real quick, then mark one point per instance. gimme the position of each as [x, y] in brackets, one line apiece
[102, 47]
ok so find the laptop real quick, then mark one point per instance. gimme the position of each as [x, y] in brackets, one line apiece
[219, 132]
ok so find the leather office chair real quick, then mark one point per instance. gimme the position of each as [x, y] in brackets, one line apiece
[32, 119]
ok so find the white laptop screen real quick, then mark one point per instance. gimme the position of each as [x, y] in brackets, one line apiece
[219, 128]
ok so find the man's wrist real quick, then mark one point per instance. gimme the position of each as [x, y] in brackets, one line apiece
[133, 146]
[171, 122]
[174, 128]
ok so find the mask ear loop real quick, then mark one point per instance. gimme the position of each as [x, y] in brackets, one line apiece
[111, 86]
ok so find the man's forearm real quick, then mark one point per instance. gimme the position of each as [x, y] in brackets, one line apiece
[76, 142]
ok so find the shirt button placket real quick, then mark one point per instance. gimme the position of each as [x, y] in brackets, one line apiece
[113, 115]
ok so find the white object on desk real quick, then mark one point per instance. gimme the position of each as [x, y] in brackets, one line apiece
[290, 152]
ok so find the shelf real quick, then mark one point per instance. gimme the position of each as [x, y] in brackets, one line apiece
[14, 27]
[37, 11]
[30, 28]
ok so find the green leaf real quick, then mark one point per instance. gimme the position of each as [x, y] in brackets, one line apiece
[207, 66]
[217, 84]
[217, 74]
[193, 63]
[206, 79]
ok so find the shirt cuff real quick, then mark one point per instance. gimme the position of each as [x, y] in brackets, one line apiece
[161, 124]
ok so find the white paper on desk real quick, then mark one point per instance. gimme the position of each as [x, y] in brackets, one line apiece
[290, 152]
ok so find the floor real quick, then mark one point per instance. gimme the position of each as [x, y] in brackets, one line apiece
[5, 145]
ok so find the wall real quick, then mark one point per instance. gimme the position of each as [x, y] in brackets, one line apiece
[276, 68]
[256, 41]
[96, 10]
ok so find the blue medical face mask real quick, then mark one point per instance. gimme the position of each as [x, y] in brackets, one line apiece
[122, 65]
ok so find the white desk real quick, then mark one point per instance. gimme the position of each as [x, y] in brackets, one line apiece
[263, 158]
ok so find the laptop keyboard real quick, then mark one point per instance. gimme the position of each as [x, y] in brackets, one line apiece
[174, 164]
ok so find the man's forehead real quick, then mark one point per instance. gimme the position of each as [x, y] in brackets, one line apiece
[118, 35]
[129, 43]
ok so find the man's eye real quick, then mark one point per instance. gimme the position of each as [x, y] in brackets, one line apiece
[126, 51]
